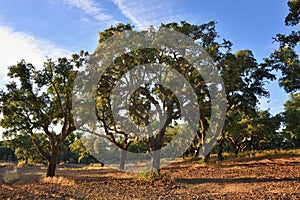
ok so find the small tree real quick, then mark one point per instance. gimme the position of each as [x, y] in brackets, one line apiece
[39, 102]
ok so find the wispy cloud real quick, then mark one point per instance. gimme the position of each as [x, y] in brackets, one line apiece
[90, 7]
[149, 12]
[16, 46]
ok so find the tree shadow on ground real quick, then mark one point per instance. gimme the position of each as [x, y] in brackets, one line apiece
[233, 180]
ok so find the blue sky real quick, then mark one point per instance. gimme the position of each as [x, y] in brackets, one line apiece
[34, 29]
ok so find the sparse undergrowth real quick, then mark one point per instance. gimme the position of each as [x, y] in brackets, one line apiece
[155, 176]
[58, 180]
[11, 176]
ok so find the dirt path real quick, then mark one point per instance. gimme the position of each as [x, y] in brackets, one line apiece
[244, 178]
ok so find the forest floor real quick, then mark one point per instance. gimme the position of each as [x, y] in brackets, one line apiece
[263, 177]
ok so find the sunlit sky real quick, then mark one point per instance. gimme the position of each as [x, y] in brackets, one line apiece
[34, 29]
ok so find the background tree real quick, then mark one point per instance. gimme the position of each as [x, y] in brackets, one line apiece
[264, 132]
[244, 81]
[82, 154]
[243, 77]
[23, 147]
[7, 154]
[39, 102]
[65, 154]
[291, 117]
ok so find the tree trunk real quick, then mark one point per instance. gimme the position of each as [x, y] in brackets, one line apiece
[102, 164]
[206, 158]
[220, 151]
[156, 147]
[26, 160]
[52, 163]
[236, 151]
[123, 155]
[156, 161]
[201, 135]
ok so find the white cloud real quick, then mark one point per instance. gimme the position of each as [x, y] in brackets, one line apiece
[85, 20]
[144, 13]
[16, 46]
[92, 8]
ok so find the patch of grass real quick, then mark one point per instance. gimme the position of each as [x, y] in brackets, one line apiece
[59, 180]
[278, 152]
[30, 164]
[258, 153]
[6, 164]
[95, 166]
[21, 164]
[155, 176]
[213, 164]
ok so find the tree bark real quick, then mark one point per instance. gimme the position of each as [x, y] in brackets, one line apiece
[156, 161]
[123, 155]
[206, 158]
[220, 151]
[52, 163]
[236, 151]
[26, 160]
[156, 145]
[201, 135]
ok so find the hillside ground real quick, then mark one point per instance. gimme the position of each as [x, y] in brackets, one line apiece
[260, 177]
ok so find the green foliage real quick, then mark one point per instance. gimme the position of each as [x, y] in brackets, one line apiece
[7, 153]
[81, 152]
[291, 117]
[286, 57]
[66, 155]
[139, 146]
[251, 131]
[293, 18]
[244, 80]
[23, 148]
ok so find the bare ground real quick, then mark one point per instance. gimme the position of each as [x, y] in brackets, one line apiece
[242, 178]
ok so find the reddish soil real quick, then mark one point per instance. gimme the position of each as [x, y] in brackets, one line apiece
[243, 178]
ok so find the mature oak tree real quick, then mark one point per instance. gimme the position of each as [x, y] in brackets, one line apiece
[39, 103]
[244, 81]
[147, 95]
